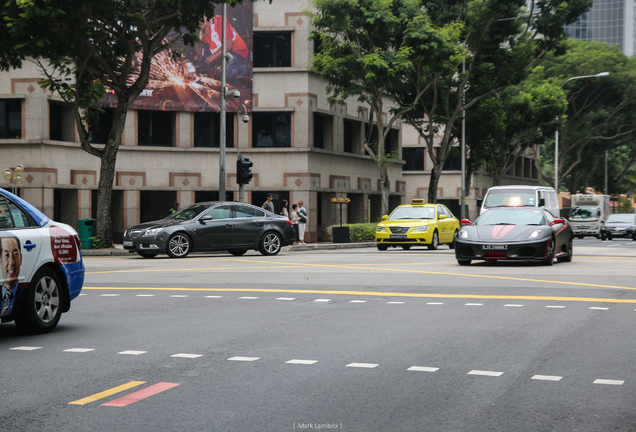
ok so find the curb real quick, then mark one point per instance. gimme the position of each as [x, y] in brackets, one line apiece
[118, 250]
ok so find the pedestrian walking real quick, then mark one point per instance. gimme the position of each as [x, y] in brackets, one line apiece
[302, 222]
[175, 207]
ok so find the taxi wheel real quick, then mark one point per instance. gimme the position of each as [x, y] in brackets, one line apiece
[382, 248]
[238, 252]
[406, 247]
[179, 246]
[43, 304]
[271, 244]
[435, 243]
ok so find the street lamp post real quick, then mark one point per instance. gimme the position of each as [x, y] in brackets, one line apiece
[245, 119]
[556, 137]
[14, 176]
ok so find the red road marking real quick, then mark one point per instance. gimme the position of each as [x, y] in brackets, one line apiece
[141, 394]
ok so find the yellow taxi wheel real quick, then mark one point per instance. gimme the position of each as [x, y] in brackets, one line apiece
[406, 247]
[382, 247]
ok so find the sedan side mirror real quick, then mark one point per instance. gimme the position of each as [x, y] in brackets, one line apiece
[465, 222]
[204, 218]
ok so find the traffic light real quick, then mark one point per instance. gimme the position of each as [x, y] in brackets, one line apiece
[243, 172]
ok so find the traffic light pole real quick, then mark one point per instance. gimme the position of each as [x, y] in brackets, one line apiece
[241, 196]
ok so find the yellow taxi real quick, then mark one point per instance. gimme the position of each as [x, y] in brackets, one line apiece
[417, 224]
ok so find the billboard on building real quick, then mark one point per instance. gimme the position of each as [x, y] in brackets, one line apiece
[192, 81]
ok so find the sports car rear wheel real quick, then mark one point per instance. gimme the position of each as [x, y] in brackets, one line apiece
[463, 262]
[549, 258]
[179, 246]
[435, 242]
[271, 244]
[568, 257]
[43, 304]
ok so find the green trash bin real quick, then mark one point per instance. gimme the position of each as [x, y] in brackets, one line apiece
[86, 231]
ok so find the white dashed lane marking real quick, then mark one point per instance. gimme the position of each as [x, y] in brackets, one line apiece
[547, 377]
[609, 382]
[185, 355]
[485, 373]
[423, 369]
[79, 350]
[25, 348]
[363, 365]
[244, 359]
[132, 352]
[302, 362]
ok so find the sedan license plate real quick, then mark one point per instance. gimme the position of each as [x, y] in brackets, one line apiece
[128, 243]
[398, 237]
[487, 247]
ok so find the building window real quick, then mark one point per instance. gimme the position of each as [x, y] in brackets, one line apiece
[207, 129]
[61, 122]
[101, 125]
[10, 118]
[271, 129]
[156, 128]
[351, 136]
[319, 136]
[414, 158]
[272, 49]
[453, 161]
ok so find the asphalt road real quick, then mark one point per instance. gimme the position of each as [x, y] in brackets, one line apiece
[351, 340]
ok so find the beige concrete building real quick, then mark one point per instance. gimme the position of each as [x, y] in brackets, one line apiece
[313, 153]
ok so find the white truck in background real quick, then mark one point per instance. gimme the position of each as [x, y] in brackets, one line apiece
[587, 214]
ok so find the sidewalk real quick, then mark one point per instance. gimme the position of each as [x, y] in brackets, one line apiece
[119, 250]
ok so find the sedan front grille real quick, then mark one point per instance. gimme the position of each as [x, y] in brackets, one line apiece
[131, 234]
[399, 230]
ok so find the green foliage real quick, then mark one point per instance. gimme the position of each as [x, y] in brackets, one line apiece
[363, 232]
[98, 243]
[625, 205]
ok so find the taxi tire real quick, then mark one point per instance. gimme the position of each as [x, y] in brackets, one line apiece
[382, 247]
[179, 245]
[435, 242]
[406, 247]
[43, 304]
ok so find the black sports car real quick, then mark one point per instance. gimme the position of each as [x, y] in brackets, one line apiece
[231, 226]
[514, 233]
[619, 225]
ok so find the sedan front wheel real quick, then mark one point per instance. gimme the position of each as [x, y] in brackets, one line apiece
[179, 246]
[271, 244]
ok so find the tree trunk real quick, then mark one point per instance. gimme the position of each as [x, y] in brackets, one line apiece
[385, 184]
[104, 231]
[433, 183]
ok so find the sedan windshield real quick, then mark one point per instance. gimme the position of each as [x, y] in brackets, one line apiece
[413, 213]
[188, 213]
[621, 218]
[511, 217]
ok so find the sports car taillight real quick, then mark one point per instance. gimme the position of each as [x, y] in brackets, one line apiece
[289, 222]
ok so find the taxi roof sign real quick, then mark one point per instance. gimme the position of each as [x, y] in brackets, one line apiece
[418, 201]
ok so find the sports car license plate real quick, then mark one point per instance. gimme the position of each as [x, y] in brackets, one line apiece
[128, 243]
[397, 237]
[494, 247]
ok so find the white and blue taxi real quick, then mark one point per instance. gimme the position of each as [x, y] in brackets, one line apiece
[42, 267]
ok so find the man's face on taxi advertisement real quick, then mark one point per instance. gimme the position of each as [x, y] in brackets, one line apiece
[11, 260]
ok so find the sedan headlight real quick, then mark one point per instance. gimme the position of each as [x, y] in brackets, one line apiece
[153, 231]
[422, 228]
[535, 233]
[463, 234]
[380, 229]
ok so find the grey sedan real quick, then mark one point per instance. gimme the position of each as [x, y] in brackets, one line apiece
[211, 226]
